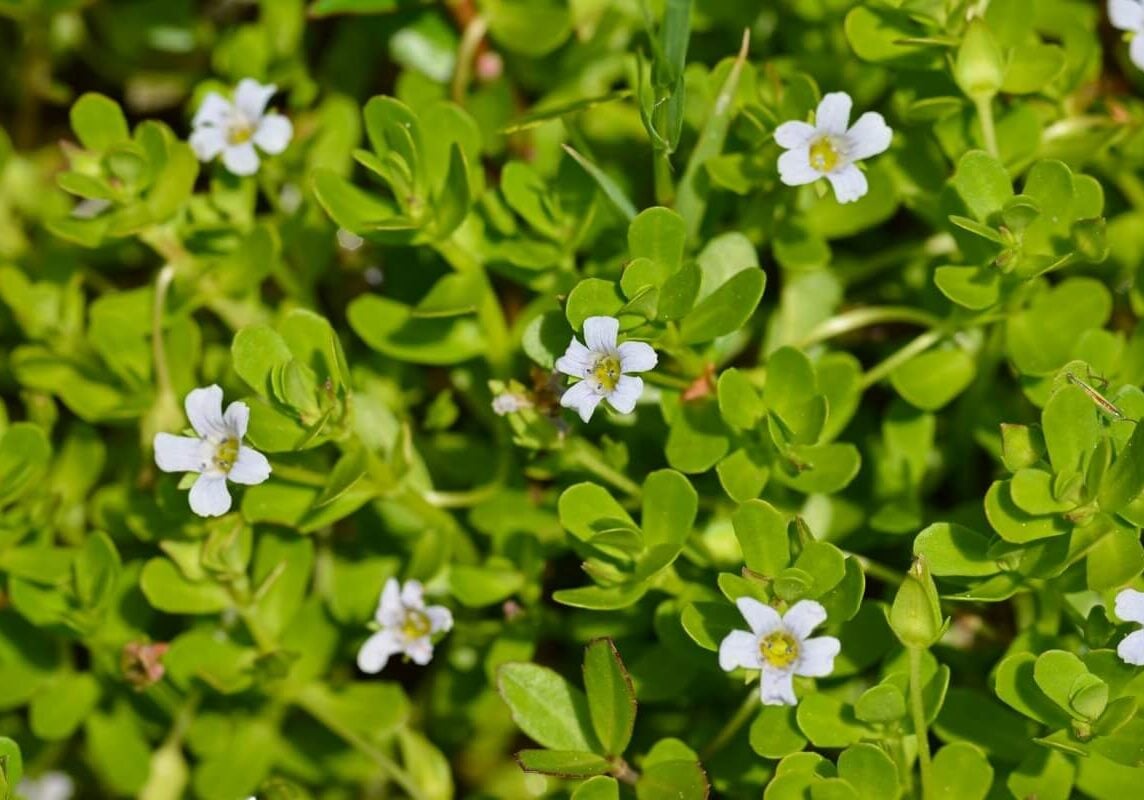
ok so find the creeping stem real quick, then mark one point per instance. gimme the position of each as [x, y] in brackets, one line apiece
[918, 711]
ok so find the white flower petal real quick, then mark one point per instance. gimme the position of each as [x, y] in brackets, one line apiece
[816, 656]
[207, 142]
[49, 786]
[794, 134]
[1131, 649]
[1130, 605]
[869, 136]
[849, 184]
[600, 334]
[420, 650]
[214, 110]
[776, 687]
[440, 618]
[795, 168]
[250, 468]
[204, 410]
[577, 360]
[251, 97]
[803, 617]
[241, 159]
[582, 397]
[375, 652]
[1127, 15]
[637, 357]
[413, 595]
[274, 133]
[833, 114]
[739, 649]
[209, 496]
[389, 609]
[626, 394]
[178, 453]
[237, 418]
[1136, 50]
[762, 618]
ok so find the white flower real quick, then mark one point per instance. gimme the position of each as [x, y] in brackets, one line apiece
[1128, 15]
[1130, 608]
[509, 403]
[780, 647]
[828, 150]
[217, 453]
[233, 129]
[407, 626]
[603, 366]
[49, 786]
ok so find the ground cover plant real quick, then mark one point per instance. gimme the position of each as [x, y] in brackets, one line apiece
[585, 399]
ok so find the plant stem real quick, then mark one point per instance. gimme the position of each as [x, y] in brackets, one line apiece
[158, 351]
[489, 310]
[732, 726]
[877, 570]
[917, 708]
[589, 457]
[988, 131]
[466, 55]
[864, 317]
[351, 737]
[917, 346]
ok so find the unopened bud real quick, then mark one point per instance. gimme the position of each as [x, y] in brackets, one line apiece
[916, 616]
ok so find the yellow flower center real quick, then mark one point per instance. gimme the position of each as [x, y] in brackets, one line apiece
[225, 455]
[779, 649]
[416, 624]
[606, 372]
[239, 132]
[823, 156]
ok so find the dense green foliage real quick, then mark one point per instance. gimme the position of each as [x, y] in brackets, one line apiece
[847, 295]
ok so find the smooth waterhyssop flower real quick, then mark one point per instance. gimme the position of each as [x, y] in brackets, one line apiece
[1130, 608]
[827, 149]
[233, 129]
[1128, 15]
[407, 626]
[49, 786]
[216, 453]
[780, 646]
[509, 403]
[603, 368]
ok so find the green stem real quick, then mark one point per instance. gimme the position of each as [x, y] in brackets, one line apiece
[732, 726]
[664, 183]
[669, 381]
[466, 54]
[489, 311]
[865, 317]
[878, 570]
[351, 737]
[589, 457]
[158, 351]
[917, 346]
[988, 130]
[918, 711]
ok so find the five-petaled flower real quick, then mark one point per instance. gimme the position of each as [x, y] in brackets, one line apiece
[1128, 15]
[216, 453]
[407, 626]
[233, 129]
[780, 646]
[603, 368]
[828, 149]
[1130, 608]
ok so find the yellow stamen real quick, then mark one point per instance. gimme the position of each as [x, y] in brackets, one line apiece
[239, 132]
[779, 649]
[823, 156]
[607, 372]
[416, 624]
[225, 455]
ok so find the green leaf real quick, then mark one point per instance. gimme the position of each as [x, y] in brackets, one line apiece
[658, 234]
[726, 309]
[563, 763]
[673, 780]
[24, 455]
[762, 534]
[1071, 427]
[11, 763]
[598, 788]
[797, 412]
[392, 328]
[961, 772]
[972, 287]
[931, 380]
[529, 27]
[611, 697]
[880, 704]
[98, 122]
[1014, 525]
[547, 708]
[592, 297]
[868, 769]
[168, 590]
[774, 733]
[1124, 481]
[610, 188]
[952, 549]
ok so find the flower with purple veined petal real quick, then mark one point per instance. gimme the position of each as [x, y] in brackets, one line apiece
[216, 452]
[829, 149]
[780, 646]
[603, 368]
[234, 128]
[1130, 608]
[1128, 16]
[407, 626]
[49, 786]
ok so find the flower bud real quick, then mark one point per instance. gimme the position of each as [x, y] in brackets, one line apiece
[916, 616]
[979, 69]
